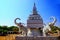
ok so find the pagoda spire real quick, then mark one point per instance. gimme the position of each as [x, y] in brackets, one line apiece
[34, 10]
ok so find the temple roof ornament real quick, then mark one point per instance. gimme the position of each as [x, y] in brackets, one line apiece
[34, 10]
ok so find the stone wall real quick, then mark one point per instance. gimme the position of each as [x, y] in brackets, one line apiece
[36, 38]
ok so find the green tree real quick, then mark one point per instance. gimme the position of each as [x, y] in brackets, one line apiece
[13, 28]
[54, 29]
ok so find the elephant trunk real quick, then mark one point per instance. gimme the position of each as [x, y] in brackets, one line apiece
[15, 21]
[54, 20]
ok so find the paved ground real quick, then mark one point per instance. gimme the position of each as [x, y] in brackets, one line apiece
[9, 37]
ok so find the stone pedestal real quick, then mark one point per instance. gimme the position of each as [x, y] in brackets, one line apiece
[36, 38]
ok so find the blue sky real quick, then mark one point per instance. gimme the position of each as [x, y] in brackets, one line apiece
[11, 9]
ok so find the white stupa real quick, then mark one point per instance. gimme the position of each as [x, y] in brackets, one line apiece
[34, 23]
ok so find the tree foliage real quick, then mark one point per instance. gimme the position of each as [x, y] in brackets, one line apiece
[5, 29]
[54, 29]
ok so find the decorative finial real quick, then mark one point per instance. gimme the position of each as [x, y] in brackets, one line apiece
[34, 3]
[34, 9]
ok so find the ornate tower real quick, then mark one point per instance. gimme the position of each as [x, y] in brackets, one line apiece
[34, 22]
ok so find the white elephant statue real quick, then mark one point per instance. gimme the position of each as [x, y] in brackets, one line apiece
[47, 27]
[22, 28]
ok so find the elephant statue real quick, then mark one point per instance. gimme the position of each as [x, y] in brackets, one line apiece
[22, 28]
[47, 28]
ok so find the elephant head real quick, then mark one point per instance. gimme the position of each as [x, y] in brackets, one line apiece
[53, 22]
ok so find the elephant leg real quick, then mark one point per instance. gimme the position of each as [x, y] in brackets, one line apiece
[44, 33]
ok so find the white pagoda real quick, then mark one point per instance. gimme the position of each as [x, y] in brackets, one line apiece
[34, 23]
